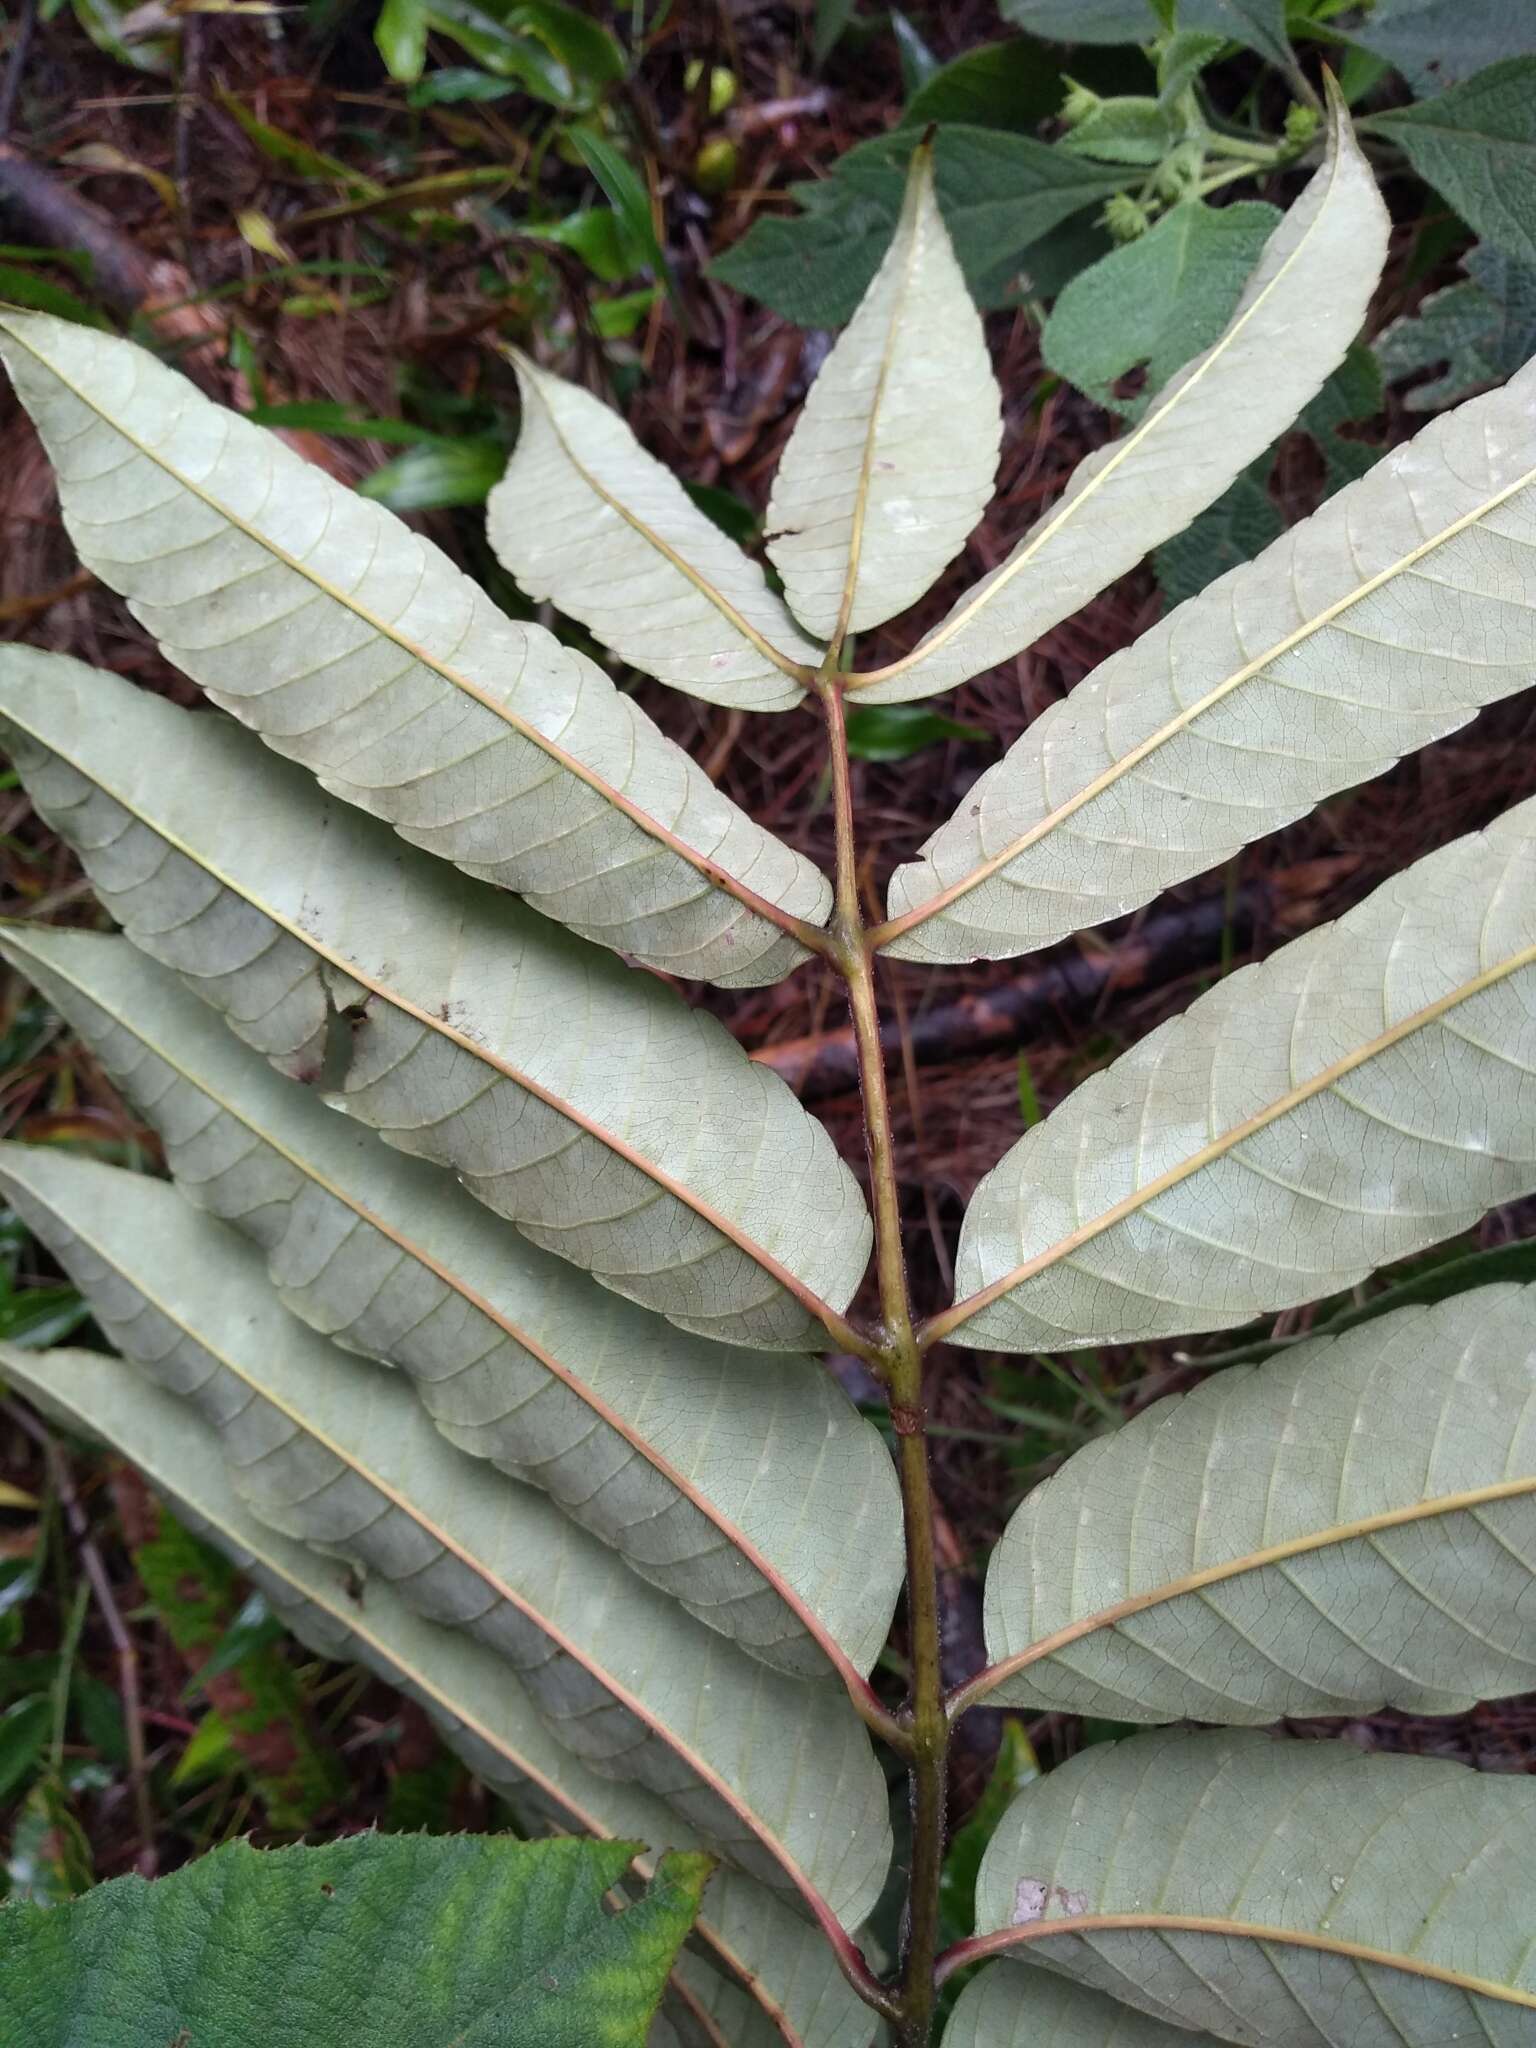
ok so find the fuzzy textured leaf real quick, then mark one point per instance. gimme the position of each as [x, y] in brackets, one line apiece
[614, 1125]
[1382, 622]
[1004, 2008]
[653, 1440]
[790, 1977]
[1350, 1527]
[893, 457]
[375, 1941]
[1301, 309]
[776, 1774]
[585, 517]
[1436, 43]
[354, 646]
[1367, 1091]
[1476, 144]
[1290, 1894]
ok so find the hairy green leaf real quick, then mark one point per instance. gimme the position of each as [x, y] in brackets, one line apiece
[1350, 1527]
[787, 1969]
[1005, 2008]
[352, 645]
[1298, 314]
[653, 1440]
[614, 1125]
[1435, 43]
[1476, 144]
[998, 195]
[1298, 1894]
[776, 1774]
[1360, 1095]
[1013, 84]
[585, 517]
[1381, 623]
[1158, 300]
[892, 459]
[376, 1940]
[1477, 332]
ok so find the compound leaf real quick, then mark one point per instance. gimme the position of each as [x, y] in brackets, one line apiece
[354, 646]
[1367, 1091]
[1381, 623]
[892, 459]
[651, 1439]
[786, 1967]
[777, 1774]
[1283, 1570]
[585, 517]
[1299, 1894]
[1301, 309]
[614, 1125]
[375, 1939]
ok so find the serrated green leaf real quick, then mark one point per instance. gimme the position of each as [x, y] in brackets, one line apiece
[1436, 43]
[473, 1026]
[785, 1965]
[1159, 300]
[1477, 332]
[892, 459]
[1126, 129]
[1284, 1572]
[1300, 310]
[998, 195]
[776, 1774]
[1476, 144]
[1290, 1893]
[1362, 1094]
[376, 1940]
[651, 1439]
[1379, 624]
[403, 689]
[585, 517]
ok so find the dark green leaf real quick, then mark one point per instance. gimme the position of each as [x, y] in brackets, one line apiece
[1182, 59]
[323, 416]
[24, 1732]
[890, 732]
[1476, 333]
[377, 1941]
[918, 63]
[1016, 84]
[1083, 21]
[1436, 43]
[501, 47]
[39, 1316]
[585, 47]
[438, 474]
[455, 83]
[254, 1629]
[999, 195]
[728, 512]
[627, 195]
[1159, 300]
[828, 24]
[23, 288]
[1476, 144]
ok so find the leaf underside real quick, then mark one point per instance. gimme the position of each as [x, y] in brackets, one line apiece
[1005, 2008]
[1348, 1527]
[776, 1774]
[752, 1935]
[1302, 307]
[1365, 1092]
[586, 517]
[611, 1123]
[1379, 624]
[651, 1439]
[355, 647]
[1342, 1900]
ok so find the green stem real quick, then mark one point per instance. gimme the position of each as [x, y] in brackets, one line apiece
[900, 1364]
